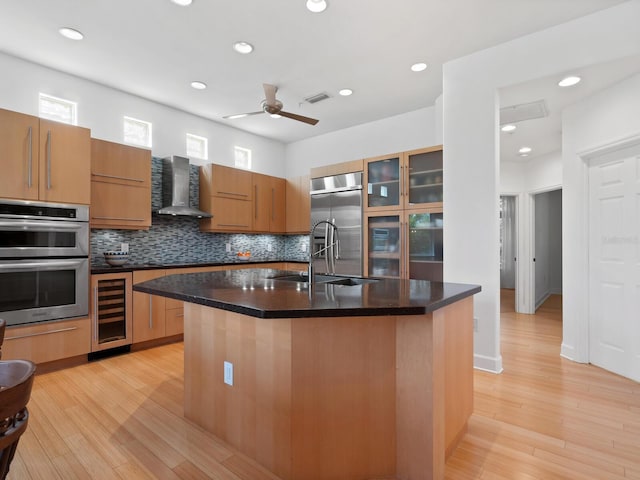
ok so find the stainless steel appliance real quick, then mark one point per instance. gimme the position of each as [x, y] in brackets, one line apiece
[44, 261]
[175, 189]
[337, 199]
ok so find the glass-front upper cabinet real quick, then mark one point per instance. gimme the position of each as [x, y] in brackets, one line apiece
[424, 178]
[424, 248]
[383, 178]
[383, 254]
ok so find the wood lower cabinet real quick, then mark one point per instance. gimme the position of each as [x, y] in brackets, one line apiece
[49, 341]
[120, 186]
[298, 205]
[148, 310]
[44, 160]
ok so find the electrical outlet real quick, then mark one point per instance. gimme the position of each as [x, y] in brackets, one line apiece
[124, 247]
[228, 373]
[304, 247]
[227, 247]
[268, 247]
[475, 324]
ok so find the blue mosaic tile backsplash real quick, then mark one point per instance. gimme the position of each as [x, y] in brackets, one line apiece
[179, 240]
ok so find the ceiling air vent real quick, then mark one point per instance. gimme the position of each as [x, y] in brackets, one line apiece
[524, 111]
[318, 97]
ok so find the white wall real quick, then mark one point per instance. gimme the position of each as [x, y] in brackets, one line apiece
[399, 133]
[604, 119]
[101, 109]
[471, 153]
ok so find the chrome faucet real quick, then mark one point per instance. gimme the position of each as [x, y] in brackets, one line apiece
[329, 244]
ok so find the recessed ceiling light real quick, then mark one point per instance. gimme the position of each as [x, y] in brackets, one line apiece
[71, 33]
[316, 6]
[183, 3]
[345, 92]
[419, 67]
[199, 85]
[243, 47]
[569, 81]
[525, 150]
[508, 128]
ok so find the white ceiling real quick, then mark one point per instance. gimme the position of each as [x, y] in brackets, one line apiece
[154, 49]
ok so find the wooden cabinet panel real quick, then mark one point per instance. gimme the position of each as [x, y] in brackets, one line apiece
[120, 206]
[19, 137]
[46, 342]
[44, 160]
[337, 169]
[120, 186]
[116, 163]
[269, 204]
[229, 214]
[221, 181]
[148, 310]
[298, 205]
[65, 163]
[174, 321]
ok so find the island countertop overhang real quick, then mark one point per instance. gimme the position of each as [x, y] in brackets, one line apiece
[256, 293]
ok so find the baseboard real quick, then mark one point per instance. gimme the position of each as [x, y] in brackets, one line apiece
[542, 300]
[487, 364]
[556, 291]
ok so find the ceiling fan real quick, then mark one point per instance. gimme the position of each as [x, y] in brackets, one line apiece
[272, 106]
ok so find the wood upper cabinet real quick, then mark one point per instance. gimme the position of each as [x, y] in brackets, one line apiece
[148, 310]
[44, 160]
[227, 194]
[269, 206]
[120, 186]
[404, 180]
[298, 205]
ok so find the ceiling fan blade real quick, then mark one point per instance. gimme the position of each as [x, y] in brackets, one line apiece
[270, 93]
[300, 118]
[242, 115]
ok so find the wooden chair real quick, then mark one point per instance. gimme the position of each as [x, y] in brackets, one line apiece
[3, 325]
[16, 380]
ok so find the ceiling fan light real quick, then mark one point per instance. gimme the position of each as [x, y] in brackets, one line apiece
[275, 115]
[569, 81]
[243, 47]
[316, 6]
[71, 33]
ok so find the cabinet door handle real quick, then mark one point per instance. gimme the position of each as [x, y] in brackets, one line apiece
[117, 177]
[273, 194]
[233, 193]
[255, 194]
[150, 312]
[119, 218]
[232, 225]
[37, 334]
[30, 149]
[48, 159]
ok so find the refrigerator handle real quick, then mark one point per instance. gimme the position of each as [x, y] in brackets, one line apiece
[332, 231]
[326, 246]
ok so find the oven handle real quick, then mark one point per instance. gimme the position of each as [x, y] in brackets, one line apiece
[19, 266]
[41, 225]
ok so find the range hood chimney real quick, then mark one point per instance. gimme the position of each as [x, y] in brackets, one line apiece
[175, 189]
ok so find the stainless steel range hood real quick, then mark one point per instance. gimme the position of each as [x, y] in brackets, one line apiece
[175, 189]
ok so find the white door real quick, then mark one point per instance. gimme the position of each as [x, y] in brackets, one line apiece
[614, 265]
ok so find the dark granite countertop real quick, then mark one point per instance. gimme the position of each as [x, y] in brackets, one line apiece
[106, 268]
[254, 292]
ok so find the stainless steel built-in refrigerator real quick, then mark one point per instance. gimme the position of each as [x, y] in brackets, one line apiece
[337, 199]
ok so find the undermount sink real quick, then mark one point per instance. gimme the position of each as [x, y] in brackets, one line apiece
[331, 279]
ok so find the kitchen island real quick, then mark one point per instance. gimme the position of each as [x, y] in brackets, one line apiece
[333, 381]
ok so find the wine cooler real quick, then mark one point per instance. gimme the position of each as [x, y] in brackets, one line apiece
[111, 310]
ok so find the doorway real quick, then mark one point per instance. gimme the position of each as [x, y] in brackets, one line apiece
[547, 246]
[508, 249]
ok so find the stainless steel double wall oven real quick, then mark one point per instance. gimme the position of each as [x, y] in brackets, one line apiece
[44, 261]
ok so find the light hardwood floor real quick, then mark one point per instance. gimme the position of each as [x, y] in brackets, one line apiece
[543, 418]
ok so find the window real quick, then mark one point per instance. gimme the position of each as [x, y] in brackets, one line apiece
[242, 157]
[137, 132]
[197, 146]
[58, 109]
